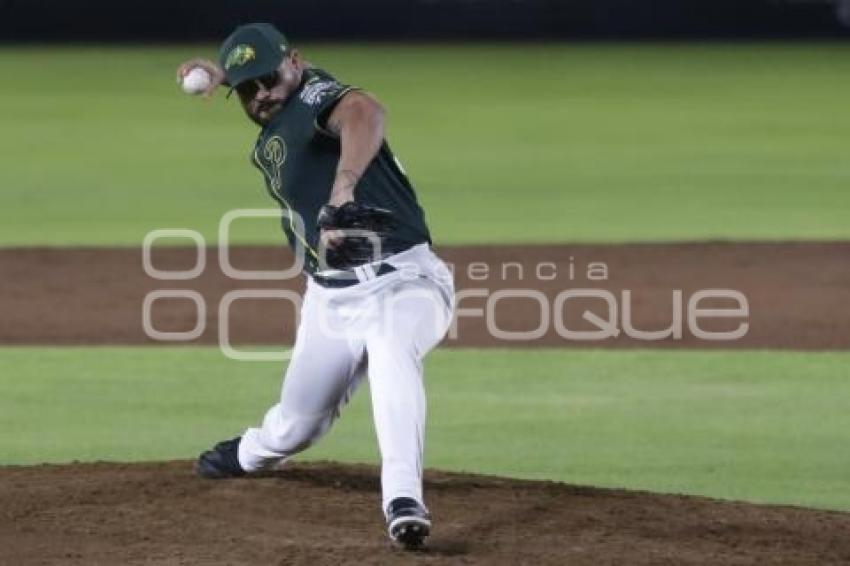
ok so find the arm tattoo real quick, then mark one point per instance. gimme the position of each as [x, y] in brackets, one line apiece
[348, 177]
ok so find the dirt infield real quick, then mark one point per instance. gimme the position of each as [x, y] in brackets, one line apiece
[797, 294]
[328, 514]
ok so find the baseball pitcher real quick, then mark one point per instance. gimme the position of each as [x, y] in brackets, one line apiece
[377, 300]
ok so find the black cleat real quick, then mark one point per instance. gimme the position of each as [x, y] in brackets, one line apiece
[408, 523]
[222, 461]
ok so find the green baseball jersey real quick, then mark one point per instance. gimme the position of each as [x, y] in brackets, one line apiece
[298, 157]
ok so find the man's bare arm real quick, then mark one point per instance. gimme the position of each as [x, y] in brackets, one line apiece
[358, 120]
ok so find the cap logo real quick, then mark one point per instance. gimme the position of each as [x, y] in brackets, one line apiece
[239, 55]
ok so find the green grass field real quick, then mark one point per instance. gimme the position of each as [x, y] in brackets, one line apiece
[759, 426]
[506, 144]
[555, 142]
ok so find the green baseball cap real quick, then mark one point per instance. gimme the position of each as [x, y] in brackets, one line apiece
[250, 52]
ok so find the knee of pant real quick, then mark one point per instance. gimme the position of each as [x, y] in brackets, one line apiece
[295, 433]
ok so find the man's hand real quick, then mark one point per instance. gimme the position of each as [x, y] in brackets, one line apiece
[330, 238]
[216, 74]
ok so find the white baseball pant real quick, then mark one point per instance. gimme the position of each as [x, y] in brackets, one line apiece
[381, 327]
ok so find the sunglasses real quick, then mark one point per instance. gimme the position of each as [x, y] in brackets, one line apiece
[249, 89]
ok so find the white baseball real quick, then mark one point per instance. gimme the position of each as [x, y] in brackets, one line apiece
[196, 81]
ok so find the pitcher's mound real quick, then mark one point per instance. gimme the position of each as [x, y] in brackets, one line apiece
[161, 513]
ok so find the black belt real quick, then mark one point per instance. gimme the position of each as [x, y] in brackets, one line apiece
[357, 275]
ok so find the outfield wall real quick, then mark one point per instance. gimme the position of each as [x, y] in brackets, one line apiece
[193, 20]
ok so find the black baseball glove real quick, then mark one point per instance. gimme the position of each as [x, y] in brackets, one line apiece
[369, 228]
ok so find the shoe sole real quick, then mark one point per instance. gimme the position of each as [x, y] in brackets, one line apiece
[410, 532]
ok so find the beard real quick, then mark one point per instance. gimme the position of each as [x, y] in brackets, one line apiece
[265, 115]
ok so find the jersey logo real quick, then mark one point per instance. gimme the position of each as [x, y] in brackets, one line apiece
[314, 92]
[274, 152]
[239, 55]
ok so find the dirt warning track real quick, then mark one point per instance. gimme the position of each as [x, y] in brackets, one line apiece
[797, 295]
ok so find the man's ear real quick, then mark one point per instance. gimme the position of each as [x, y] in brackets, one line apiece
[295, 57]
